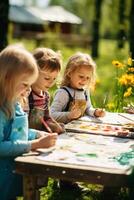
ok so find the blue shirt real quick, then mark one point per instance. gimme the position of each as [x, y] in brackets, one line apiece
[14, 140]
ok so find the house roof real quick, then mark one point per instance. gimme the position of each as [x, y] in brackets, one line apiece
[55, 14]
[21, 14]
[35, 15]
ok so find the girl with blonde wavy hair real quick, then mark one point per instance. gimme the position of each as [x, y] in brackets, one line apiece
[18, 70]
[72, 100]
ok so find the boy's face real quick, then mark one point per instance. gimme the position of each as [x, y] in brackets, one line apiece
[46, 79]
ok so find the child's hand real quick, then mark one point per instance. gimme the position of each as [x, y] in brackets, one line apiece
[56, 127]
[74, 114]
[45, 141]
[99, 112]
[41, 133]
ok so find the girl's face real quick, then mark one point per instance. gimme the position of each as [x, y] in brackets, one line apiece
[79, 79]
[23, 88]
[46, 79]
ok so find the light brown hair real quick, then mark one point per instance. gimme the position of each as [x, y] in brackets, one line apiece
[47, 59]
[14, 62]
[74, 63]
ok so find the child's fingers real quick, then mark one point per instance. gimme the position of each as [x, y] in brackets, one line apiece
[102, 112]
[54, 134]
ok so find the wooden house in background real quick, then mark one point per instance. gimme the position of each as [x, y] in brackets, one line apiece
[56, 16]
[35, 22]
[24, 23]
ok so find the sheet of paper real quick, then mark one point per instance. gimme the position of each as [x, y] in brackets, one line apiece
[111, 118]
[98, 151]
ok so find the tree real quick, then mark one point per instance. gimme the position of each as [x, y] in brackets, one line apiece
[4, 10]
[131, 29]
[56, 2]
[96, 24]
[122, 32]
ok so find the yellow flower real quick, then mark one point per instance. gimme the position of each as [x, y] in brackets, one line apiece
[129, 61]
[124, 84]
[110, 105]
[117, 64]
[97, 81]
[126, 79]
[128, 92]
[131, 69]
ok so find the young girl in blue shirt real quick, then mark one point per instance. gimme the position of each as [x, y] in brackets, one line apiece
[18, 70]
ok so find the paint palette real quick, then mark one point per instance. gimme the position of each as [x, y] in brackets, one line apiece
[96, 128]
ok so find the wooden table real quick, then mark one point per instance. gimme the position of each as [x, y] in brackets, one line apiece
[31, 168]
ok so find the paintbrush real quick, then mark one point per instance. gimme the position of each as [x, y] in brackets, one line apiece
[104, 102]
[125, 117]
[46, 125]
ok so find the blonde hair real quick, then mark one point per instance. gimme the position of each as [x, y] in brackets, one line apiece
[14, 62]
[74, 63]
[47, 59]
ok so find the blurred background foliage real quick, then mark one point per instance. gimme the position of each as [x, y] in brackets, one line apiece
[108, 27]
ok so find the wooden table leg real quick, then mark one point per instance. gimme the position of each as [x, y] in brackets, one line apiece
[30, 188]
[131, 193]
[110, 193]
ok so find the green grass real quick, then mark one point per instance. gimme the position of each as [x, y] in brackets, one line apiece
[93, 192]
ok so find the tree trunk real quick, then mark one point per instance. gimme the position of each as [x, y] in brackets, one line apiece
[4, 10]
[131, 29]
[121, 33]
[96, 25]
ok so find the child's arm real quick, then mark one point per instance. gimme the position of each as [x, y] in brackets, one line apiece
[58, 106]
[15, 148]
[8, 147]
[18, 147]
[44, 141]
